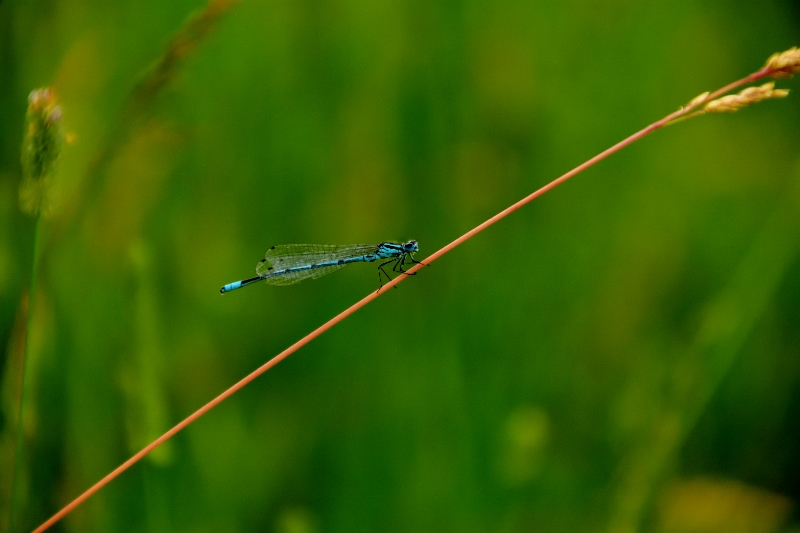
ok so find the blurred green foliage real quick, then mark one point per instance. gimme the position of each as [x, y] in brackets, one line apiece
[621, 355]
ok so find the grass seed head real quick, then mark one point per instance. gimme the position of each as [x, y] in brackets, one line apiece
[41, 147]
[746, 97]
[784, 64]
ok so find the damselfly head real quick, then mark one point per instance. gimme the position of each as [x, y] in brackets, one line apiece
[411, 247]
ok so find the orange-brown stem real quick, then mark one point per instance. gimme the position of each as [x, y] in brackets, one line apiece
[396, 281]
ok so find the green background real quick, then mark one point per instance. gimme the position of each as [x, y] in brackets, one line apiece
[621, 355]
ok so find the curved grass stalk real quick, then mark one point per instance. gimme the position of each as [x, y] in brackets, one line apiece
[779, 65]
[136, 108]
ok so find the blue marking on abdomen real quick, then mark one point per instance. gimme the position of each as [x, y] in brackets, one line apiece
[231, 286]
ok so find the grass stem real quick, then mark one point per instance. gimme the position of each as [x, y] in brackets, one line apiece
[684, 111]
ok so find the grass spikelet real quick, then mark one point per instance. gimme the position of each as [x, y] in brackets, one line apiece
[41, 147]
[784, 64]
[746, 97]
[699, 99]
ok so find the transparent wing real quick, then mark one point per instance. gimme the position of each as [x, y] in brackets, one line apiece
[289, 278]
[294, 255]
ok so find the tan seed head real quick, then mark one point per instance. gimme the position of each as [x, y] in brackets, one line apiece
[749, 96]
[784, 64]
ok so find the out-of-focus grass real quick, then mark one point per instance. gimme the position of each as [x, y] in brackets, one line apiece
[573, 369]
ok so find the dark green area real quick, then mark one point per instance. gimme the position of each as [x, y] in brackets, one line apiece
[621, 355]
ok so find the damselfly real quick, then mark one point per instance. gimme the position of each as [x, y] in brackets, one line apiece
[289, 263]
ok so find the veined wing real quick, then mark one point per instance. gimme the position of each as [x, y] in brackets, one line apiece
[282, 257]
[294, 255]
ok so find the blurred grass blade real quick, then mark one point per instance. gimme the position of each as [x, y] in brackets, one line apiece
[699, 369]
[137, 108]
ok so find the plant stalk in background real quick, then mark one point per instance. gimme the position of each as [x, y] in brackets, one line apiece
[41, 146]
[781, 65]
